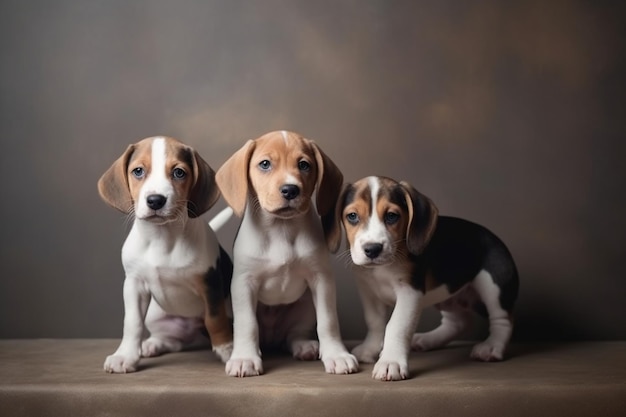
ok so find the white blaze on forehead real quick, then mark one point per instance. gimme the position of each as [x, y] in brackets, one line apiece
[374, 230]
[285, 136]
[157, 181]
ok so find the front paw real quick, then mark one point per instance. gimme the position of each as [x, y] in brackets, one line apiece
[342, 363]
[242, 367]
[366, 353]
[385, 370]
[120, 364]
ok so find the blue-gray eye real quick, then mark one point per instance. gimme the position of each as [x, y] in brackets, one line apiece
[138, 172]
[352, 218]
[265, 165]
[178, 173]
[304, 166]
[391, 217]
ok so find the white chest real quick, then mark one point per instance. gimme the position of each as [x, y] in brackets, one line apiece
[280, 262]
[387, 281]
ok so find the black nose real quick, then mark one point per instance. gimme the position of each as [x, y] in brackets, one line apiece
[156, 201]
[372, 250]
[289, 191]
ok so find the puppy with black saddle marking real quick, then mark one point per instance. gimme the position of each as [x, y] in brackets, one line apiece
[408, 257]
[177, 274]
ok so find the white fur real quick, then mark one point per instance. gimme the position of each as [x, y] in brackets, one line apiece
[279, 262]
[159, 259]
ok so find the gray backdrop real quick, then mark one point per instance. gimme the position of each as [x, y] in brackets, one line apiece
[510, 114]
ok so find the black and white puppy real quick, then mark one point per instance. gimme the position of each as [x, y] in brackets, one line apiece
[408, 257]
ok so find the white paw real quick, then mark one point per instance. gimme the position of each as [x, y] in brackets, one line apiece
[305, 350]
[488, 352]
[343, 363]
[224, 351]
[120, 364]
[240, 367]
[423, 342]
[390, 370]
[154, 346]
[366, 353]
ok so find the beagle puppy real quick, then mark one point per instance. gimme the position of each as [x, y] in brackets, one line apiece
[177, 275]
[282, 282]
[408, 257]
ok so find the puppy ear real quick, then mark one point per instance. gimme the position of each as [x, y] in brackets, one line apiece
[232, 178]
[204, 192]
[329, 182]
[113, 184]
[423, 215]
[332, 223]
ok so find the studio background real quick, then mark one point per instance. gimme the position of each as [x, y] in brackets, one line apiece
[510, 114]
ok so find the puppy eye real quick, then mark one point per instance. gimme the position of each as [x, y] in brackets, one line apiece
[138, 172]
[391, 217]
[304, 166]
[179, 173]
[352, 218]
[265, 165]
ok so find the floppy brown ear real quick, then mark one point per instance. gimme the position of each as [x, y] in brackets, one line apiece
[204, 192]
[232, 178]
[329, 182]
[423, 215]
[113, 184]
[332, 229]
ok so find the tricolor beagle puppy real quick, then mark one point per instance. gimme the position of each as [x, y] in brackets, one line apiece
[177, 274]
[282, 279]
[408, 257]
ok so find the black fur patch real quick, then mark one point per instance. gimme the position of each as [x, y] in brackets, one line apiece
[457, 252]
[217, 282]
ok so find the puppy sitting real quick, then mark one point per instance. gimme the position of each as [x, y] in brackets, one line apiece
[177, 275]
[407, 257]
[282, 279]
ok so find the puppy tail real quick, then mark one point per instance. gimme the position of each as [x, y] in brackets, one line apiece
[220, 219]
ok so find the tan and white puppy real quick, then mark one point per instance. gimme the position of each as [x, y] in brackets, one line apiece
[407, 257]
[177, 274]
[282, 279]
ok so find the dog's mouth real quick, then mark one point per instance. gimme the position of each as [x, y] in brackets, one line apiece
[286, 212]
[158, 218]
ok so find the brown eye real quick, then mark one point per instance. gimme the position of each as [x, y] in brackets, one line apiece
[391, 218]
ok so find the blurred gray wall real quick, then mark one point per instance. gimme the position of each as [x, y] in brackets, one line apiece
[510, 114]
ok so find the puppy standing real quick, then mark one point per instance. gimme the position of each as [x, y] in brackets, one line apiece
[282, 272]
[408, 257]
[176, 271]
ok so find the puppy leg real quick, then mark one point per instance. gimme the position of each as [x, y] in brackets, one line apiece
[136, 301]
[393, 362]
[220, 331]
[246, 356]
[453, 322]
[168, 333]
[500, 323]
[375, 313]
[336, 359]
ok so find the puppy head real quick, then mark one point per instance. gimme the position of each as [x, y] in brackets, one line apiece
[280, 170]
[159, 180]
[384, 219]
